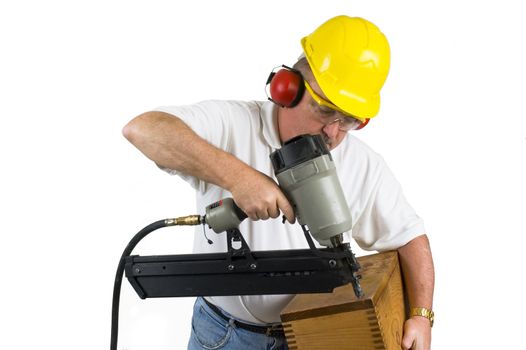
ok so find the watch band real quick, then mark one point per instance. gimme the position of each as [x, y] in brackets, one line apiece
[422, 311]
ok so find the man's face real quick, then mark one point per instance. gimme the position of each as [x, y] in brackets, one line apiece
[310, 117]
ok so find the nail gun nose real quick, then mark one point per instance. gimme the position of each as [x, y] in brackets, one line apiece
[353, 264]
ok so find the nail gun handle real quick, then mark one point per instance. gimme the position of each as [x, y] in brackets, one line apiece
[241, 215]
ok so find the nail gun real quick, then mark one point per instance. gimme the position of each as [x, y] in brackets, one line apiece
[306, 173]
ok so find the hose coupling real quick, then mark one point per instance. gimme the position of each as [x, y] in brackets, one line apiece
[190, 220]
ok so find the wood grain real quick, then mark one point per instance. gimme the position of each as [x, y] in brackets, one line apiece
[340, 320]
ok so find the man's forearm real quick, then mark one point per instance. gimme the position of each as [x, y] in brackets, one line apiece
[170, 143]
[419, 275]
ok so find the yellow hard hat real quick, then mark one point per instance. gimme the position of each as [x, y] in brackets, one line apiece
[349, 57]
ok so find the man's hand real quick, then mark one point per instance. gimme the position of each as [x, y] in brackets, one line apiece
[417, 334]
[259, 196]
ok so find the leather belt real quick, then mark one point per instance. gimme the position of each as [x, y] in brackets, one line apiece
[271, 331]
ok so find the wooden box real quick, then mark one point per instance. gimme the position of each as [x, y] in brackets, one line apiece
[340, 320]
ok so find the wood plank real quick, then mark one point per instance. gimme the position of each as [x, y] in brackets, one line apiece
[340, 321]
[376, 270]
[391, 311]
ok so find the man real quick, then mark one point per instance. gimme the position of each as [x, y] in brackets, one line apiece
[222, 149]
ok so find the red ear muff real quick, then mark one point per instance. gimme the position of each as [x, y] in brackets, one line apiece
[286, 87]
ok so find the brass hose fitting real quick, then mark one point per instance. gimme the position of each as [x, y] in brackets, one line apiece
[190, 220]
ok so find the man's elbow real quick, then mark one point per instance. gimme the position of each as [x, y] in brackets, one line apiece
[128, 130]
[133, 130]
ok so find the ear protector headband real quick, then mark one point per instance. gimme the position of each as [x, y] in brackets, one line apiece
[286, 86]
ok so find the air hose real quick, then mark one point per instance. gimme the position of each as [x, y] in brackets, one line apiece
[186, 220]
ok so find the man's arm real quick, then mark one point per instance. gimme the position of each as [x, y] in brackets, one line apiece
[170, 143]
[419, 276]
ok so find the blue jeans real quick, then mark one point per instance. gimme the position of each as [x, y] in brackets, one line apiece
[211, 331]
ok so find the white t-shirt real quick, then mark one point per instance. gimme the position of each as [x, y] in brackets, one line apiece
[382, 218]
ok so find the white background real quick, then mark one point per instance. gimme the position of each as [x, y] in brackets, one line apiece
[73, 192]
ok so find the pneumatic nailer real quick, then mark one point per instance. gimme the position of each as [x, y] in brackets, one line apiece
[306, 174]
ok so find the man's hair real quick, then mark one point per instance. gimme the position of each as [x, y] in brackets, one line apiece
[303, 67]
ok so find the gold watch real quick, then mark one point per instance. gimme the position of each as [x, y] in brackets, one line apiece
[422, 311]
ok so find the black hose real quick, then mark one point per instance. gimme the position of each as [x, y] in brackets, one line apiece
[118, 278]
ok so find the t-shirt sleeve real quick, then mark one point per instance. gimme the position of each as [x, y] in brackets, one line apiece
[208, 119]
[387, 221]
